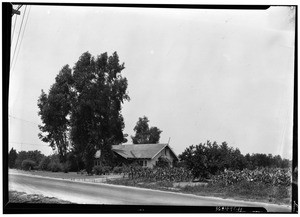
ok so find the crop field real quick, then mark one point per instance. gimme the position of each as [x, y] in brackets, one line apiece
[268, 176]
[159, 174]
[271, 185]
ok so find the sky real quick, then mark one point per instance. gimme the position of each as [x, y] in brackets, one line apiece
[198, 75]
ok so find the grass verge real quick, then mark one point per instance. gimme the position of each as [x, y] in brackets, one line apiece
[62, 175]
[248, 191]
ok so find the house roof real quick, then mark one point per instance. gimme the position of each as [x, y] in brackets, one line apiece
[138, 150]
[142, 151]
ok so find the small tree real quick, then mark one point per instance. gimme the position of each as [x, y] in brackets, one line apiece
[28, 164]
[22, 155]
[144, 134]
[12, 156]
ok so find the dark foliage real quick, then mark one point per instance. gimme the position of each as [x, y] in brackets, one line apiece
[28, 164]
[55, 166]
[117, 170]
[144, 134]
[44, 164]
[162, 162]
[54, 109]
[82, 110]
[12, 156]
[75, 162]
[35, 156]
[209, 159]
[101, 170]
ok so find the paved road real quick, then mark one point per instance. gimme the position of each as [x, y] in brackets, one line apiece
[100, 193]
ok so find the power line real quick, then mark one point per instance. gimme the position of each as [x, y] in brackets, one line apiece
[19, 7]
[23, 120]
[22, 37]
[25, 143]
[18, 36]
[15, 11]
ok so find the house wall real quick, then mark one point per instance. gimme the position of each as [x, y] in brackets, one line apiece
[165, 152]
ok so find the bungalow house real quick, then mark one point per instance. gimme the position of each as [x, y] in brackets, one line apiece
[146, 155]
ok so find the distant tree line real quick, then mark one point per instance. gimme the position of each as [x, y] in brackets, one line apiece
[35, 160]
[211, 158]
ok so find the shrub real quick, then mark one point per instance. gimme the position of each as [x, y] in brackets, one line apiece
[98, 170]
[44, 164]
[162, 162]
[118, 170]
[65, 167]
[28, 164]
[55, 166]
[106, 169]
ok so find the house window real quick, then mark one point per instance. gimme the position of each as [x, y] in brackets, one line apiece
[97, 162]
[140, 162]
[145, 163]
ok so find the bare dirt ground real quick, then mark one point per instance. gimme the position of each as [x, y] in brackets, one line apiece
[22, 197]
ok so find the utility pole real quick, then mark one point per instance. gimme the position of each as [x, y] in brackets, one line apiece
[7, 13]
[6, 35]
[16, 11]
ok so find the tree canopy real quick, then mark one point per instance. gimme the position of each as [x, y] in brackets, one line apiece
[54, 110]
[82, 111]
[210, 158]
[144, 134]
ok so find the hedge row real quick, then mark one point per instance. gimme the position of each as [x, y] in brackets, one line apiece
[46, 164]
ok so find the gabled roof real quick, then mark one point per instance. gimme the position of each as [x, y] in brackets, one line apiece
[138, 150]
[142, 151]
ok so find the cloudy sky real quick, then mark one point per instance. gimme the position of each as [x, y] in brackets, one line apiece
[198, 75]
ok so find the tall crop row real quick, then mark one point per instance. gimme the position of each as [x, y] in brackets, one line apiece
[159, 174]
[269, 176]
